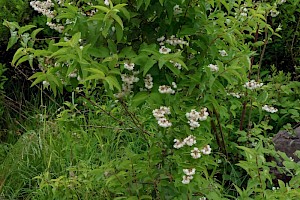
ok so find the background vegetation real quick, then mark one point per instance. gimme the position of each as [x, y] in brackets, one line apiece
[79, 123]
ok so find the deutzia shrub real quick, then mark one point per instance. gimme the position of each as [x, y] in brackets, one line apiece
[171, 46]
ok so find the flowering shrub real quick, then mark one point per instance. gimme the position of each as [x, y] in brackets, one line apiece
[189, 66]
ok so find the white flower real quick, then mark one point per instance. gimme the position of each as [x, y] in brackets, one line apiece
[81, 47]
[193, 124]
[148, 81]
[269, 109]
[106, 2]
[202, 198]
[274, 13]
[237, 95]
[195, 153]
[73, 75]
[213, 68]
[281, 1]
[203, 114]
[46, 83]
[178, 144]
[162, 38]
[174, 85]
[164, 89]
[164, 50]
[243, 14]
[163, 122]
[165, 109]
[186, 179]
[223, 53]
[251, 85]
[190, 140]
[177, 10]
[189, 172]
[129, 66]
[206, 150]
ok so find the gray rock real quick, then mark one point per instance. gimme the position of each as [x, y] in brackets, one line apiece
[288, 143]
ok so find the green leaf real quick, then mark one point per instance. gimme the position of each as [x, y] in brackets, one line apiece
[119, 32]
[102, 8]
[161, 2]
[263, 97]
[23, 59]
[19, 53]
[140, 98]
[12, 40]
[149, 64]
[25, 28]
[96, 71]
[38, 79]
[107, 26]
[113, 83]
[35, 32]
[118, 20]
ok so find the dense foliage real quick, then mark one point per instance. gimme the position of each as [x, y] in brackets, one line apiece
[168, 100]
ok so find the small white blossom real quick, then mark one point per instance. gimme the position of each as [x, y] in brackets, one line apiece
[174, 85]
[164, 50]
[190, 140]
[269, 109]
[206, 150]
[223, 53]
[203, 114]
[161, 39]
[189, 172]
[202, 198]
[106, 2]
[164, 89]
[213, 68]
[251, 85]
[177, 10]
[178, 144]
[129, 66]
[195, 153]
[186, 179]
[73, 75]
[237, 95]
[274, 13]
[281, 1]
[46, 83]
[148, 81]
[163, 122]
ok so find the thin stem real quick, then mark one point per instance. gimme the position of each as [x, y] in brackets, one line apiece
[263, 52]
[221, 132]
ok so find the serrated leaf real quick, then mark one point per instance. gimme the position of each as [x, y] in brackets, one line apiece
[35, 32]
[118, 20]
[140, 98]
[119, 32]
[25, 28]
[23, 59]
[19, 53]
[113, 83]
[149, 64]
[38, 79]
[102, 8]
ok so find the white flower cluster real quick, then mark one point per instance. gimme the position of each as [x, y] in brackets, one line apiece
[213, 68]
[194, 116]
[274, 13]
[106, 2]
[127, 85]
[43, 7]
[129, 66]
[177, 10]
[251, 85]
[159, 115]
[176, 41]
[269, 109]
[281, 1]
[237, 95]
[176, 64]
[188, 175]
[57, 27]
[223, 53]
[190, 141]
[165, 89]
[244, 12]
[164, 50]
[148, 81]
